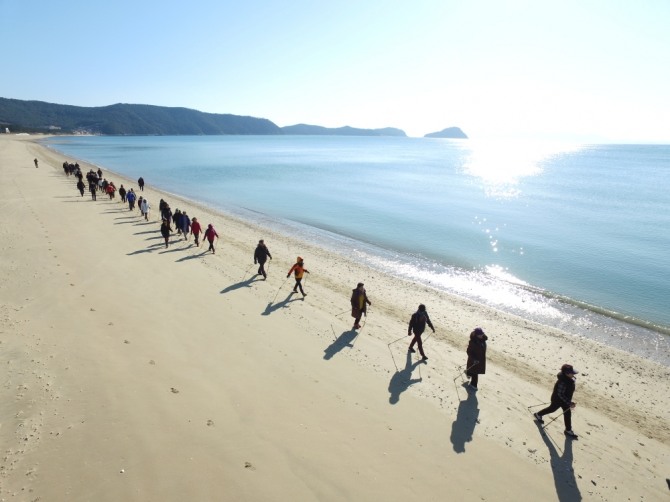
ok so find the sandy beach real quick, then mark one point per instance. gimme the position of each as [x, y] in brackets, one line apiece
[135, 372]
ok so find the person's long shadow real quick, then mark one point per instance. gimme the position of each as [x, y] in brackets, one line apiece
[467, 418]
[191, 256]
[402, 379]
[276, 306]
[149, 249]
[561, 466]
[241, 284]
[346, 339]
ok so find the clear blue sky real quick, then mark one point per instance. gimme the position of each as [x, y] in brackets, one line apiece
[584, 70]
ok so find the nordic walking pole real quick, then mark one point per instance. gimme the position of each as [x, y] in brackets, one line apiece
[247, 271]
[394, 341]
[394, 363]
[282, 285]
[536, 405]
[556, 418]
[460, 373]
[342, 313]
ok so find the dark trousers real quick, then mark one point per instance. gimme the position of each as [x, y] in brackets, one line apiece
[417, 340]
[567, 415]
[261, 269]
[474, 380]
[211, 246]
[298, 284]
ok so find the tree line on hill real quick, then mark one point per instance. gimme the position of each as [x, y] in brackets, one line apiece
[148, 120]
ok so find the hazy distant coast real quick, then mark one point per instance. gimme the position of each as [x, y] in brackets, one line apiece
[147, 120]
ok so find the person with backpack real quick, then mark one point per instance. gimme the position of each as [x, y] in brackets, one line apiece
[359, 304]
[261, 255]
[561, 397]
[417, 325]
[195, 230]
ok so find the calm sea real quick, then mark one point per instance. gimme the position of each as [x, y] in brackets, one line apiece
[573, 236]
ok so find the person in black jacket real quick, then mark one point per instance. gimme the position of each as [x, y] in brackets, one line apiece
[476, 364]
[261, 255]
[359, 304]
[417, 324]
[561, 397]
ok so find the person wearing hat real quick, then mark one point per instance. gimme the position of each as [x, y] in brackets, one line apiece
[476, 351]
[417, 324]
[359, 304]
[261, 255]
[299, 271]
[561, 397]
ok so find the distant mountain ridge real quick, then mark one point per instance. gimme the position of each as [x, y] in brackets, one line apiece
[148, 120]
[305, 129]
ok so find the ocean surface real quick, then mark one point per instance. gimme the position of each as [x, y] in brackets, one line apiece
[572, 236]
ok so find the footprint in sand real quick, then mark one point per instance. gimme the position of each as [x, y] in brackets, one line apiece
[248, 465]
[174, 391]
[210, 423]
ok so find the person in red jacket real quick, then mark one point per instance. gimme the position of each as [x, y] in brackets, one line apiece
[299, 271]
[195, 230]
[210, 235]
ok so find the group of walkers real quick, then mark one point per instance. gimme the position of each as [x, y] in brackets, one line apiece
[561, 397]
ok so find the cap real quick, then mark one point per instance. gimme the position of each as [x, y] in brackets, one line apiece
[299, 258]
[478, 331]
[567, 368]
[359, 284]
[422, 308]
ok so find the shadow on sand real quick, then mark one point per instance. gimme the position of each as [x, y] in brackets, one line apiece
[561, 467]
[402, 379]
[241, 284]
[279, 305]
[346, 339]
[467, 419]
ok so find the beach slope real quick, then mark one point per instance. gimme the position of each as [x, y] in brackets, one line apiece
[135, 372]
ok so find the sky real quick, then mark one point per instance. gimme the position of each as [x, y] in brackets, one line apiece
[585, 70]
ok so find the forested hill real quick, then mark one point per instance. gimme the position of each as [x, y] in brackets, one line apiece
[124, 119]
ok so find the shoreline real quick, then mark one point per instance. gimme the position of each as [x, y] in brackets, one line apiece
[239, 351]
[577, 318]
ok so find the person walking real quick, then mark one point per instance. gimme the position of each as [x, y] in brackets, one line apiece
[299, 270]
[145, 208]
[185, 224]
[417, 325]
[210, 235]
[81, 187]
[261, 255]
[93, 188]
[122, 193]
[140, 182]
[359, 304]
[131, 198]
[476, 351]
[36, 163]
[561, 397]
[195, 230]
[165, 231]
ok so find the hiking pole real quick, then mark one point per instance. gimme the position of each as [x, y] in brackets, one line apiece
[342, 313]
[247, 271]
[461, 372]
[394, 341]
[556, 418]
[282, 285]
[537, 405]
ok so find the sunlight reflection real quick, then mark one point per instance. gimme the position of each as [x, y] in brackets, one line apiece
[502, 164]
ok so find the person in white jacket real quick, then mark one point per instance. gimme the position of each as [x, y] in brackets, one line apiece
[145, 208]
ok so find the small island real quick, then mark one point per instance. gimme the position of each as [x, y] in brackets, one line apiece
[449, 132]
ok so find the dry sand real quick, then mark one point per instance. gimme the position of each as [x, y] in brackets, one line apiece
[132, 372]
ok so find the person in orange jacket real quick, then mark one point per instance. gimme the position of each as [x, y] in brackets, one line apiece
[299, 270]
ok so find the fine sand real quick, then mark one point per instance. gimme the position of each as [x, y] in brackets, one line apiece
[135, 372]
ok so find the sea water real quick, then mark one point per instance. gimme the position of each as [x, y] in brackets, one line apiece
[572, 236]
